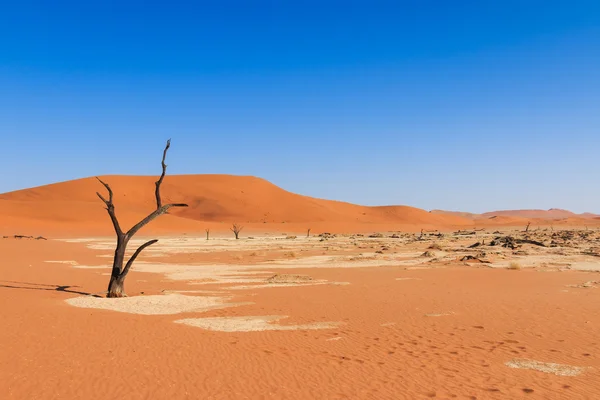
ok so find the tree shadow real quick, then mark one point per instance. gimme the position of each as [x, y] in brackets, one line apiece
[43, 286]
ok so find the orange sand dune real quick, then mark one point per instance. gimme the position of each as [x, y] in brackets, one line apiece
[215, 201]
[462, 214]
[551, 214]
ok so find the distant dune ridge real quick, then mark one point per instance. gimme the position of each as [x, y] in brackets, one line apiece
[551, 214]
[216, 201]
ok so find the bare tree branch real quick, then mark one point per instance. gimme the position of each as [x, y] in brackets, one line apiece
[150, 217]
[110, 192]
[118, 274]
[160, 208]
[134, 256]
[102, 198]
[162, 176]
[236, 229]
[110, 208]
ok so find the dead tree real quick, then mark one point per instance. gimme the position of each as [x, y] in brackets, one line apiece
[308, 233]
[207, 233]
[119, 273]
[236, 229]
[527, 227]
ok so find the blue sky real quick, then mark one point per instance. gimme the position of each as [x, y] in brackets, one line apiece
[462, 105]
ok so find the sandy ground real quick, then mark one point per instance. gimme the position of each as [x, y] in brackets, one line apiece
[331, 317]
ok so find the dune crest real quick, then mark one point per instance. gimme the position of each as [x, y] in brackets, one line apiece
[212, 199]
[216, 201]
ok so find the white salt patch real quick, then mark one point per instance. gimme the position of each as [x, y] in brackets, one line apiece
[153, 305]
[339, 262]
[548, 368]
[92, 266]
[408, 279]
[69, 262]
[438, 314]
[218, 292]
[251, 324]
[273, 285]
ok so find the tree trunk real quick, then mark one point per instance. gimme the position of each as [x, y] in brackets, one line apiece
[116, 286]
[119, 273]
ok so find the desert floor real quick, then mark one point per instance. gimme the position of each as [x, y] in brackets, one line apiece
[401, 316]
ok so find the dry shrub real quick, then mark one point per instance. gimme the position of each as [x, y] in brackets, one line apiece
[435, 246]
[514, 265]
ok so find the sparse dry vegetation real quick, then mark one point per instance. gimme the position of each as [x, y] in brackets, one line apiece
[514, 265]
[435, 246]
[236, 229]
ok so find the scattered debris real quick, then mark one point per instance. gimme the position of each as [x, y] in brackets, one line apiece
[469, 257]
[588, 284]
[24, 237]
[513, 243]
[465, 233]
[289, 278]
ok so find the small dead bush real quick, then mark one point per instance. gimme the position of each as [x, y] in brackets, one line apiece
[435, 246]
[514, 265]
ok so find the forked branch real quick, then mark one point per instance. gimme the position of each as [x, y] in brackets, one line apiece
[160, 208]
[110, 208]
[134, 256]
[150, 217]
[115, 286]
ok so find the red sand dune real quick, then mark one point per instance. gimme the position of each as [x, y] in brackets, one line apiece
[551, 214]
[216, 201]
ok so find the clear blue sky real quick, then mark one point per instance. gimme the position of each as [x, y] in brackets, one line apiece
[461, 105]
